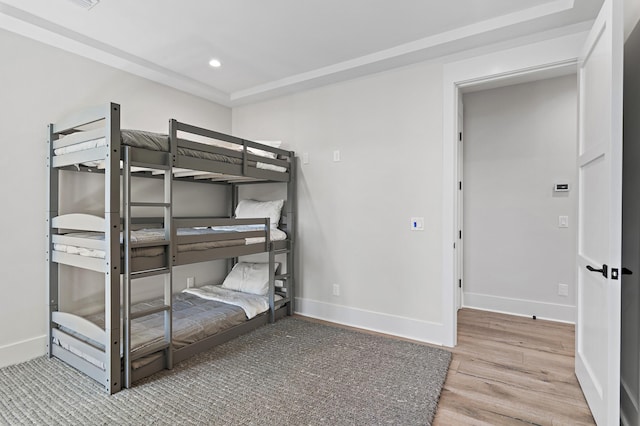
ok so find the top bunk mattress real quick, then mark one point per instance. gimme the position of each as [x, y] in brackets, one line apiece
[159, 142]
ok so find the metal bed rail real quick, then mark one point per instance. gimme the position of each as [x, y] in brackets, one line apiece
[178, 132]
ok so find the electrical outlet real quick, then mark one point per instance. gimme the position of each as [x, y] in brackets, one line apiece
[336, 290]
[305, 158]
[191, 282]
[563, 289]
[563, 221]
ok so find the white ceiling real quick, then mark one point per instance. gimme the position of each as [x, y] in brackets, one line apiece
[272, 47]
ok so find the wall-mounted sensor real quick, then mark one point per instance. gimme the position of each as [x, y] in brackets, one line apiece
[561, 187]
[417, 223]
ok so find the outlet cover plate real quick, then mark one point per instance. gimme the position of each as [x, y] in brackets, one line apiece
[563, 290]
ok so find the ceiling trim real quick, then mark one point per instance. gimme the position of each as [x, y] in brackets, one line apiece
[421, 48]
[32, 26]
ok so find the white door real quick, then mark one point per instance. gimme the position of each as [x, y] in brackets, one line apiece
[600, 215]
[630, 333]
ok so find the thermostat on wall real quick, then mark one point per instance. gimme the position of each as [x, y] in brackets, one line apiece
[561, 187]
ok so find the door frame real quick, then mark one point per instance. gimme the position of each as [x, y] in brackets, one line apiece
[532, 62]
[460, 208]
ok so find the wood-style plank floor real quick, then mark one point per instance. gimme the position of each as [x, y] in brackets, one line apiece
[509, 370]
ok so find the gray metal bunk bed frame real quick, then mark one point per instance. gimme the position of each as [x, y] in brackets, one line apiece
[118, 372]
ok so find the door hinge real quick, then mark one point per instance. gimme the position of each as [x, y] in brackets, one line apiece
[460, 235]
[460, 136]
[454, 246]
[460, 283]
[460, 185]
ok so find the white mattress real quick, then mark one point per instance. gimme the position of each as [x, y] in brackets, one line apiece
[194, 318]
[157, 234]
[100, 142]
[251, 304]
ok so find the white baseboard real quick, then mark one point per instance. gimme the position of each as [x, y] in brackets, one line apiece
[22, 351]
[527, 308]
[409, 328]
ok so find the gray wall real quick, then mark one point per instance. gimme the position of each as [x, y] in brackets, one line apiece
[355, 214]
[518, 141]
[41, 84]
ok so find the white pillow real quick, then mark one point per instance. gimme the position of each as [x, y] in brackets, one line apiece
[249, 278]
[263, 153]
[252, 209]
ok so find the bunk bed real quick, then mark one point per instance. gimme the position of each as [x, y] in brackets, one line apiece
[129, 341]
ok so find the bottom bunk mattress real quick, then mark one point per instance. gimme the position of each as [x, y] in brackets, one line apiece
[194, 318]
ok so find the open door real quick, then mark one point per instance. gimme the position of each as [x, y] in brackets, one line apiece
[630, 333]
[600, 76]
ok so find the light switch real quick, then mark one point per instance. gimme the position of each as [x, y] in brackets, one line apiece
[417, 223]
[563, 221]
[305, 158]
[336, 155]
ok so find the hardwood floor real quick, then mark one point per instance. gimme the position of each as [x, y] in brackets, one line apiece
[509, 370]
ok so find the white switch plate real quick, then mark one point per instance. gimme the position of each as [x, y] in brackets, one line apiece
[191, 282]
[563, 221]
[305, 158]
[417, 224]
[336, 290]
[336, 155]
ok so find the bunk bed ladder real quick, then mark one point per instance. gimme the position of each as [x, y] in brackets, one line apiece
[129, 275]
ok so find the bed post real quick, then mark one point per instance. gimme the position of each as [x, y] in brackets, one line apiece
[126, 267]
[112, 240]
[292, 208]
[52, 211]
[234, 204]
[170, 234]
[272, 270]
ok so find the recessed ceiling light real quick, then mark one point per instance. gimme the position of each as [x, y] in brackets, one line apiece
[215, 63]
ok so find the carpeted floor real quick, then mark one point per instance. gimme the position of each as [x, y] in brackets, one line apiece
[293, 372]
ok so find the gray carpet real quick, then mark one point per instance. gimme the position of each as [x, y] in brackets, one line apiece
[293, 372]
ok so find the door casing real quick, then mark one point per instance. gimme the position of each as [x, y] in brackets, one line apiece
[518, 65]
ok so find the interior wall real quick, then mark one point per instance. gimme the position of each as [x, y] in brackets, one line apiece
[354, 214]
[41, 84]
[631, 16]
[518, 142]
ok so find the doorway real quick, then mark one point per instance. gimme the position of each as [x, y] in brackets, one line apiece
[600, 180]
[530, 63]
[517, 234]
